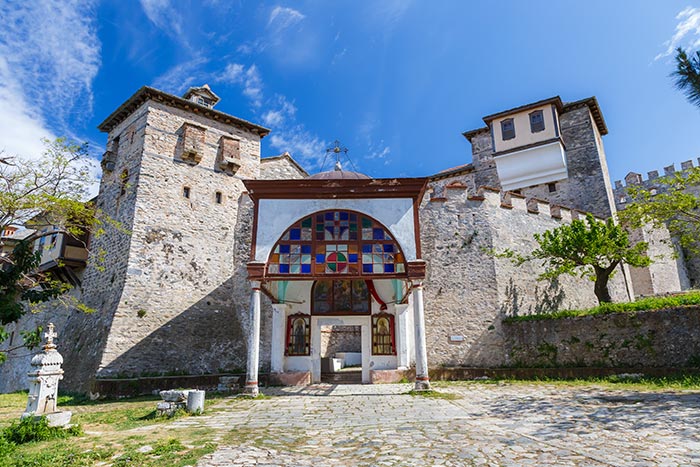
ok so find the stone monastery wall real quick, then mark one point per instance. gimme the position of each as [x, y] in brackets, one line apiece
[468, 291]
[687, 264]
[169, 279]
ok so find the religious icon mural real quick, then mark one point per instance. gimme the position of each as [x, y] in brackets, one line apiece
[298, 335]
[383, 334]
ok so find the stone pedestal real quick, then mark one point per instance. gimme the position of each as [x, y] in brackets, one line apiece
[195, 402]
[43, 384]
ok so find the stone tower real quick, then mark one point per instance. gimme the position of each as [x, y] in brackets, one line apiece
[167, 287]
[549, 150]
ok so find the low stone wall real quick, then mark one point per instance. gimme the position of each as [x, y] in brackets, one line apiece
[336, 339]
[666, 338]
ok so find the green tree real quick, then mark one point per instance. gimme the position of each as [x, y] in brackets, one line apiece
[50, 191]
[587, 248]
[687, 75]
[674, 203]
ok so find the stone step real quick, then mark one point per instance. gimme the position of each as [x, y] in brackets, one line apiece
[344, 377]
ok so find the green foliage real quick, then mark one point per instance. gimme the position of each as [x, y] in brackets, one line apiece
[587, 248]
[7, 447]
[47, 195]
[687, 75]
[673, 205]
[644, 304]
[432, 394]
[30, 430]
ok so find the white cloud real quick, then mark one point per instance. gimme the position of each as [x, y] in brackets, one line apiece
[253, 86]
[236, 73]
[233, 73]
[687, 32]
[182, 76]
[282, 18]
[167, 18]
[281, 111]
[378, 153]
[47, 65]
[306, 148]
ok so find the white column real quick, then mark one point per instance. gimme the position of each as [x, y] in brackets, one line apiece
[315, 360]
[402, 335]
[366, 339]
[251, 382]
[422, 380]
[279, 335]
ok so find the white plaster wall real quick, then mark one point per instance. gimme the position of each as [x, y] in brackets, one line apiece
[523, 134]
[541, 164]
[298, 298]
[276, 215]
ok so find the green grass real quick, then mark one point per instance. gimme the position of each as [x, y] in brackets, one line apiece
[644, 304]
[644, 383]
[431, 394]
[124, 432]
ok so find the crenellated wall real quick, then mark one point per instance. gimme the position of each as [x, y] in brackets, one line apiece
[468, 291]
[688, 263]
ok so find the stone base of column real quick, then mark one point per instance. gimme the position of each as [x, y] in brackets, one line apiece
[251, 389]
[422, 384]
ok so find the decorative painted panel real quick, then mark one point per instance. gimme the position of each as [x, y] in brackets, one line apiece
[383, 342]
[336, 243]
[342, 296]
[298, 335]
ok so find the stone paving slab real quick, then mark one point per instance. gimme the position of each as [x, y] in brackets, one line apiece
[494, 425]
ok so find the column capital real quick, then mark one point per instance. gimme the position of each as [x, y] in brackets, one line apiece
[416, 270]
[255, 285]
[256, 271]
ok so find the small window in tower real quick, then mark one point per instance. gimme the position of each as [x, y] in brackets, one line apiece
[536, 121]
[552, 187]
[507, 129]
[186, 191]
[219, 197]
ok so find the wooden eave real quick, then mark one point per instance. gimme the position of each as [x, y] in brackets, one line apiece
[592, 104]
[149, 93]
[413, 188]
[556, 100]
[472, 133]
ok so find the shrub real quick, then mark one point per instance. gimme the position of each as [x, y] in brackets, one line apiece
[29, 430]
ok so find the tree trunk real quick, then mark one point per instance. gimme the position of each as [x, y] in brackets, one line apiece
[602, 275]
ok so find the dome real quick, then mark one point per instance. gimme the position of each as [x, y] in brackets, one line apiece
[339, 174]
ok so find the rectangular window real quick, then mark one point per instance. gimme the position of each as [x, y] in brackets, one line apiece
[218, 197]
[186, 191]
[536, 121]
[552, 187]
[507, 129]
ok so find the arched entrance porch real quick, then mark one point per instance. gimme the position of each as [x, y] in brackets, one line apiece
[354, 245]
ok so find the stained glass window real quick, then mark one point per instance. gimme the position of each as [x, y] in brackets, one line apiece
[298, 335]
[383, 334]
[336, 242]
[342, 296]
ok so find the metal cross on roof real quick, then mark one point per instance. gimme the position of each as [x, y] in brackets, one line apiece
[336, 149]
[50, 335]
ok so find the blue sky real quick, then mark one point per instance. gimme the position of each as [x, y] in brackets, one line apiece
[397, 82]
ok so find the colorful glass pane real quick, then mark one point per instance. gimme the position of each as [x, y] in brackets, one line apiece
[343, 243]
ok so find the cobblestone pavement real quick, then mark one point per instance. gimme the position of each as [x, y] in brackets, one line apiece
[486, 424]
